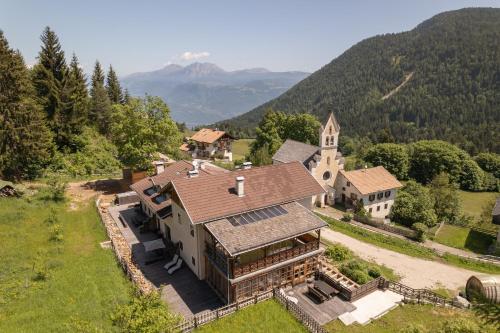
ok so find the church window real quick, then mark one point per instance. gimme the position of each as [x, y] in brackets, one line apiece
[332, 141]
[328, 160]
[327, 141]
[327, 175]
[330, 130]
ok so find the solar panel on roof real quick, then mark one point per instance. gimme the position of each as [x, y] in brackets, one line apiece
[256, 215]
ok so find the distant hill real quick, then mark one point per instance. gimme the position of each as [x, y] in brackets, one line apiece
[205, 93]
[439, 80]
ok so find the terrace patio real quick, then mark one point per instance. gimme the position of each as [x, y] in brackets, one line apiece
[182, 291]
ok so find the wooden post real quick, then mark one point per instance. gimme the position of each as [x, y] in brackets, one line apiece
[255, 299]
[195, 322]
[217, 313]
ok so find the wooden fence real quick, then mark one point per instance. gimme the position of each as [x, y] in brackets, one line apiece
[204, 318]
[408, 233]
[417, 295]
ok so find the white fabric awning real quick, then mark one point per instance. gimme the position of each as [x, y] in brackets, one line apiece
[154, 245]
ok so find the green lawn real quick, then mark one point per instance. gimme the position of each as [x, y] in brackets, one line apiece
[407, 247]
[265, 317]
[241, 147]
[473, 202]
[464, 238]
[83, 283]
[429, 317]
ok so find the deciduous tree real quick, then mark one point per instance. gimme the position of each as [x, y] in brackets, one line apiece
[391, 156]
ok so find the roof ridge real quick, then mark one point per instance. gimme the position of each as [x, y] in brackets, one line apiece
[307, 144]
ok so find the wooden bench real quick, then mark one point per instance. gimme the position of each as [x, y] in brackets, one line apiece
[316, 294]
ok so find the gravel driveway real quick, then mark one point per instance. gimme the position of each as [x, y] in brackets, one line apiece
[415, 272]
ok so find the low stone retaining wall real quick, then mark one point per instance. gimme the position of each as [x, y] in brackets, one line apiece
[122, 250]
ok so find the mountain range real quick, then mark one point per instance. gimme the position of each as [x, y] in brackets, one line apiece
[203, 93]
[440, 80]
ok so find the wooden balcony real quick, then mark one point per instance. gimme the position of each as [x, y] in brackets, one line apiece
[243, 269]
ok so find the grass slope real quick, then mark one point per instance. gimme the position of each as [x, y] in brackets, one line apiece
[407, 247]
[84, 283]
[427, 316]
[241, 147]
[463, 238]
[265, 317]
[473, 202]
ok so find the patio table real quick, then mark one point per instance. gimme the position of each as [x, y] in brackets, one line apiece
[325, 288]
[156, 244]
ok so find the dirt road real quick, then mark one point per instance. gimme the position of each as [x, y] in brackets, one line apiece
[415, 272]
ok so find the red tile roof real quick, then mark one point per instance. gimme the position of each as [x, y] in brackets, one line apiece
[178, 169]
[371, 180]
[212, 197]
[207, 135]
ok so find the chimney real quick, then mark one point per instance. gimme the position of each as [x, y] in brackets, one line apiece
[247, 165]
[201, 165]
[159, 167]
[192, 173]
[240, 186]
[195, 165]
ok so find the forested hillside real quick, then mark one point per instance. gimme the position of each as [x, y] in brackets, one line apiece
[451, 64]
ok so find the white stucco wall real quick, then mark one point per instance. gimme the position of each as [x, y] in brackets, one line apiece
[192, 246]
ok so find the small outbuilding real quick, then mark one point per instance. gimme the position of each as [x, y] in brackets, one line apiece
[126, 198]
[487, 286]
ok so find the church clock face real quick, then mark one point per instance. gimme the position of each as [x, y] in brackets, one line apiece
[327, 175]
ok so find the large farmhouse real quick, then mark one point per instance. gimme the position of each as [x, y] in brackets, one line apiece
[245, 231]
[373, 188]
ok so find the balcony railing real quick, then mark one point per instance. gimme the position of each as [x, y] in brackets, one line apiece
[217, 257]
[242, 269]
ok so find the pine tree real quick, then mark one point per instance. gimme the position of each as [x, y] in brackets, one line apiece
[49, 75]
[100, 105]
[75, 104]
[113, 87]
[25, 140]
[126, 96]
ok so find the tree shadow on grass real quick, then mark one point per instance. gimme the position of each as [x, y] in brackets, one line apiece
[478, 242]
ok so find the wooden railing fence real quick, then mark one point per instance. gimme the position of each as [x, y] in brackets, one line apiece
[309, 322]
[408, 233]
[417, 295]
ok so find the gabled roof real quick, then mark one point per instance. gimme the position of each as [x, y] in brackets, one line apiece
[371, 180]
[238, 238]
[292, 150]
[207, 135]
[178, 169]
[336, 125]
[213, 197]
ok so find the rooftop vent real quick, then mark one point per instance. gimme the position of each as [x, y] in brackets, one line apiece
[246, 165]
[193, 173]
[240, 186]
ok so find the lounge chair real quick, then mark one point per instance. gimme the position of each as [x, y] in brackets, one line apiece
[175, 267]
[171, 262]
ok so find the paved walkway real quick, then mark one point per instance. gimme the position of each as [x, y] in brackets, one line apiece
[439, 248]
[415, 272]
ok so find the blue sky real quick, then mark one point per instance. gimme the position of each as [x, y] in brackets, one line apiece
[146, 35]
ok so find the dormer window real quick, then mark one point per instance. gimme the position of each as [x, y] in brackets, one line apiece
[150, 191]
[160, 198]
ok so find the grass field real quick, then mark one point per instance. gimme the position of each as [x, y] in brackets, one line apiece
[241, 147]
[429, 317]
[474, 202]
[407, 247]
[71, 285]
[464, 238]
[265, 317]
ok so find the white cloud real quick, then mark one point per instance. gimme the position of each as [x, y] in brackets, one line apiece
[194, 55]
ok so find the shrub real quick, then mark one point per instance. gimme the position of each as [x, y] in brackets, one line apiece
[145, 314]
[347, 217]
[56, 189]
[40, 270]
[56, 233]
[356, 271]
[338, 252]
[460, 325]
[420, 231]
[374, 272]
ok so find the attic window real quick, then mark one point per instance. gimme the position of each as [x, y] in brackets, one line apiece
[348, 184]
[380, 195]
[371, 197]
[160, 198]
[387, 194]
[330, 130]
[150, 191]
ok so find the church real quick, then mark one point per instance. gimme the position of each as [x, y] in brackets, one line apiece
[374, 188]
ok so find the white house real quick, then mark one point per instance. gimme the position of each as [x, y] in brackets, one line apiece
[374, 188]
